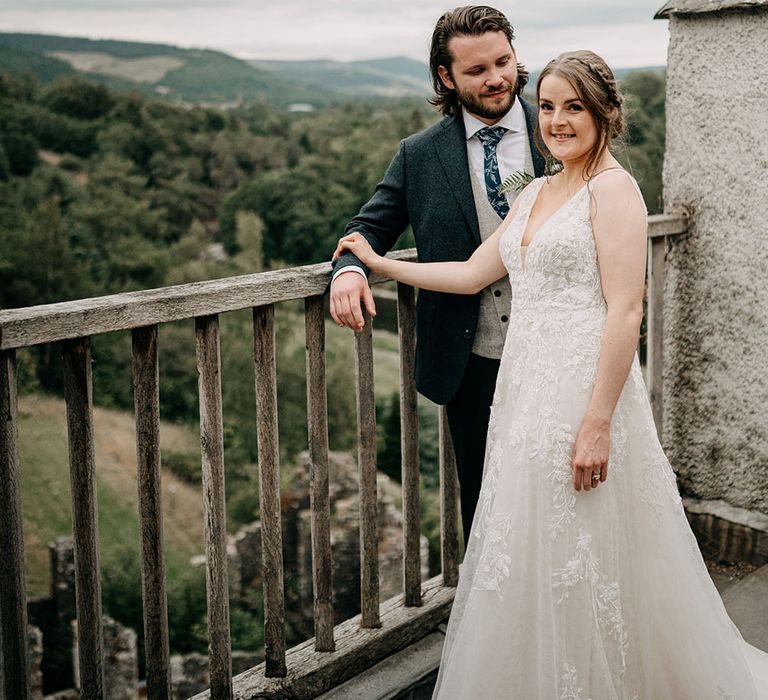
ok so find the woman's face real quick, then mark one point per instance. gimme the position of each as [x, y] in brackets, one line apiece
[567, 127]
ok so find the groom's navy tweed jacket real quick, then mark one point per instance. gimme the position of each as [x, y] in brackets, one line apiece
[427, 185]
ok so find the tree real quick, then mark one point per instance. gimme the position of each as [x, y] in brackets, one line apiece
[644, 155]
[21, 152]
[76, 97]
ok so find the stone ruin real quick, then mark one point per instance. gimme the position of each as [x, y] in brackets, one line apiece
[190, 672]
[245, 546]
[53, 625]
[53, 639]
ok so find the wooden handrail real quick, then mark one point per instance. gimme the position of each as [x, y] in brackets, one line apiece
[269, 479]
[319, 479]
[78, 393]
[212, 453]
[409, 444]
[146, 382]
[33, 325]
[13, 608]
[366, 468]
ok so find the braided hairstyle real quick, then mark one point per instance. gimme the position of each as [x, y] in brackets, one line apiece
[596, 86]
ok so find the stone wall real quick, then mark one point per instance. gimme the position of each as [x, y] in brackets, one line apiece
[245, 545]
[715, 427]
[121, 667]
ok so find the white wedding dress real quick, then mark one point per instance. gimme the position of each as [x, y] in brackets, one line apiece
[566, 595]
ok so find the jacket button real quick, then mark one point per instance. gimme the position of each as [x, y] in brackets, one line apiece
[467, 333]
[504, 318]
[497, 293]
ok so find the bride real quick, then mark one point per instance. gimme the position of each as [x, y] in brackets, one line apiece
[582, 579]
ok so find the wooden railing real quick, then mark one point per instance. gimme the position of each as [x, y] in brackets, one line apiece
[334, 654]
[660, 228]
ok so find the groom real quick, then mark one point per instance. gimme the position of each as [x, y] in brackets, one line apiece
[443, 182]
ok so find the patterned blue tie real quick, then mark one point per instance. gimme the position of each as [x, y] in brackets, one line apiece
[490, 136]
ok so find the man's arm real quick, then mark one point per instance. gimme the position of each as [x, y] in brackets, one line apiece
[381, 221]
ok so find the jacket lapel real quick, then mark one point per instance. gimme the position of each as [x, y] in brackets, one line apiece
[451, 147]
[531, 121]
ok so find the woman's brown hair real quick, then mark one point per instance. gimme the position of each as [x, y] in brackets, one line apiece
[596, 86]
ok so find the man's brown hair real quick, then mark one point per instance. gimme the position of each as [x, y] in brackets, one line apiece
[471, 20]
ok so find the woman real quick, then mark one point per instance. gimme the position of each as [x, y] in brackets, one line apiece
[582, 579]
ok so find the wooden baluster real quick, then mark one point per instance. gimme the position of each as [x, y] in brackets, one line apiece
[212, 452]
[13, 597]
[269, 475]
[366, 458]
[78, 392]
[409, 445]
[319, 495]
[146, 383]
[655, 326]
[449, 534]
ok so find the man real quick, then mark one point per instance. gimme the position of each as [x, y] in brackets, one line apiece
[444, 183]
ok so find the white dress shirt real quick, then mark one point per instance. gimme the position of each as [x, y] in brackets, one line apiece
[510, 153]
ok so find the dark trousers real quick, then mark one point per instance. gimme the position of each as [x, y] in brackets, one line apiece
[468, 414]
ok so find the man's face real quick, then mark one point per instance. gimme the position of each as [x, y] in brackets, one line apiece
[483, 74]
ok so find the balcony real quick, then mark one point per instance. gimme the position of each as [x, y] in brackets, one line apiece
[336, 653]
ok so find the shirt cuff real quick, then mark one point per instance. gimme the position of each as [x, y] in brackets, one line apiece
[349, 268]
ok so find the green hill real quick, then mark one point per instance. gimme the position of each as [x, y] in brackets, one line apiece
[46, 490]
[182, 75]
[385, 77]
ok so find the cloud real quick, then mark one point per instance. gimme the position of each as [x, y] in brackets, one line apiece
[345, 29]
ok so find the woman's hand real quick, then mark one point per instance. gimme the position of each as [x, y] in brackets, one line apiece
[356, 243]
[590, 454]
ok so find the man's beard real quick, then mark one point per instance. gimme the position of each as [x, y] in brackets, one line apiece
[475, 106]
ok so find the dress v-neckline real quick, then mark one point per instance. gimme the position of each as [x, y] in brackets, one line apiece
[527, 220]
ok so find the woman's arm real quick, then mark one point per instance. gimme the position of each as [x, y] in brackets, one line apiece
[619, 225]
[467, 277]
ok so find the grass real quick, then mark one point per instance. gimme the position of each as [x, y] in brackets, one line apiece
[46, 488]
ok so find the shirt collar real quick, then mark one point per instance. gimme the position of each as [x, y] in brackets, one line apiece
[514, 120]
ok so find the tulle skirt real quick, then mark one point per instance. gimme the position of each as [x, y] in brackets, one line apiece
[599, 595]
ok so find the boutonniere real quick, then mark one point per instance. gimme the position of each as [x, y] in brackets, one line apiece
[519, 179]
[515, 182]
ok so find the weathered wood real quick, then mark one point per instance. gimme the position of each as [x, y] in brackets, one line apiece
[269, 492]
[409, 445]
[655, 326]
[212, 452]
[13, 597]
[319, 488]
[78, 393]
[661, 225]
[449, 493]
[366, 469]
[146, 388]
[75, 319]
[311, 673]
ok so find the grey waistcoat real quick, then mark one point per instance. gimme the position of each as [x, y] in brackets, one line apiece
[496, 298]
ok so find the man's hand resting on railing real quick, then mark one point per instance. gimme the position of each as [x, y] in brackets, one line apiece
[346, 292]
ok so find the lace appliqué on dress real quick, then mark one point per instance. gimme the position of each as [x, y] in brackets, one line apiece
[493, 565]
[570, 684]
[606, 598]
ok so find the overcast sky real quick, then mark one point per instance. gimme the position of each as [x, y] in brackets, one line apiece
[622, 31]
